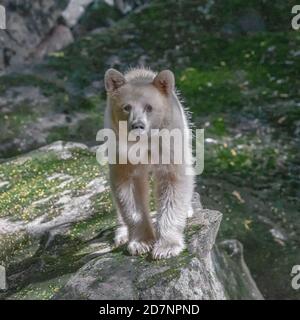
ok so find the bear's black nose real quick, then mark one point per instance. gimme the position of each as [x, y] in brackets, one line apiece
[138, 125]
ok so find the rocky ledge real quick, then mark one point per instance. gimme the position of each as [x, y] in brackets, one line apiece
[204, 271]
[56, 238]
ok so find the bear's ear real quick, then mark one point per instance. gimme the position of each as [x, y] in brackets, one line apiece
[113, 80]
[165, 82]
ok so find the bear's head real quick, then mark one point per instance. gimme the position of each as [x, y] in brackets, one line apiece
[143, 102]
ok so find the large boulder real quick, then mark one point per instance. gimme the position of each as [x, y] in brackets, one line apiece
[205, 271]
[56, 238]
[28, 23]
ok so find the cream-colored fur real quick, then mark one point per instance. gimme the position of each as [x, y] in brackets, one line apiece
[136, 91]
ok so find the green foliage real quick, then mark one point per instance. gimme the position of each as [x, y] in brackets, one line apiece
[99, 14]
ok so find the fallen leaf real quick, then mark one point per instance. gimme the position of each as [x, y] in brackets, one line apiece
[238, 196]
[233, 152]
[281, 120]
[247, 224]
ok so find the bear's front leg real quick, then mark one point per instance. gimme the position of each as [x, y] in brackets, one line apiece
[121, 234]
[130, 189]
[174, 193]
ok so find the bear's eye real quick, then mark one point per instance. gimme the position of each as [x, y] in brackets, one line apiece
[148, 108]
[127, 108]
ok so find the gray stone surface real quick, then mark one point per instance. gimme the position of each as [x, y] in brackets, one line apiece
[60, 37]
[74, 11]
[27, 24]
[204, 271]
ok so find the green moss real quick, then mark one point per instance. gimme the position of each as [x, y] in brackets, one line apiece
[18, 199]
[173, 271]
[62, 255]
[164, 276]
[12, 245]
[41, 290]
[103, 218]
[192, 230]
